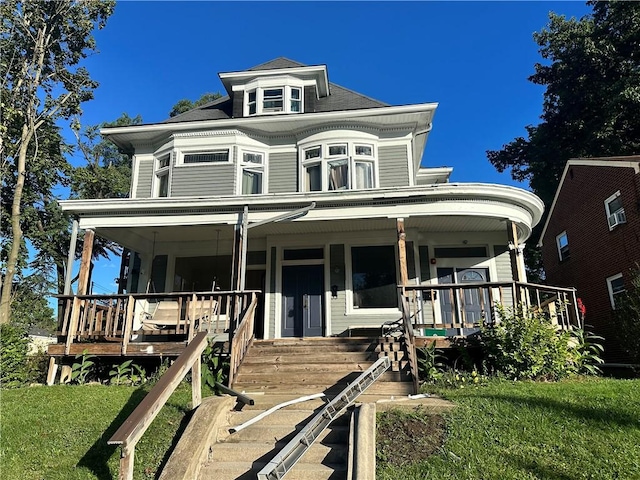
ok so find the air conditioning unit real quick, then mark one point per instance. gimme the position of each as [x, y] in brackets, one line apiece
[617, 218]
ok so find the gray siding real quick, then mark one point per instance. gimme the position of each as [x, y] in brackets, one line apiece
[283, 172]
[202, 180]
[145, 175]
[503, 269]
[393, 166]
[425, 272]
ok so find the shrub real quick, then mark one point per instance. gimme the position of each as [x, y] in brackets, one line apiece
[14, 345]
[527, 346]
[627, 319]
[430, 363]
[214, 368]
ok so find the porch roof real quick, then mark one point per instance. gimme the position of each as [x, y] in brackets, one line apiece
[444, 208]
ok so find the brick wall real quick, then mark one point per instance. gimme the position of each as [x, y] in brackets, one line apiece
[595, 252]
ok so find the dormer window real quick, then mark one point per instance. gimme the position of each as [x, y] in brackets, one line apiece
[273, 100]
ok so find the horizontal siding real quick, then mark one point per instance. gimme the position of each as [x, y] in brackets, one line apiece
[337, 278]
[272, 290]
[504, 272]
[203, 180]
[283, 172]
[393, 166]
[145, 175]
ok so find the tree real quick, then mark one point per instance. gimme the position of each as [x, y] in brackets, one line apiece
[592, 79]
[185, 104]
[42, 45]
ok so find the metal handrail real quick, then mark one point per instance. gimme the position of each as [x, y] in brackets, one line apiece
[284, 461]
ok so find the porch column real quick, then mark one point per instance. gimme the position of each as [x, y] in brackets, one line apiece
[402, 251]
[517, 266]
[70, 258]
[85, 262]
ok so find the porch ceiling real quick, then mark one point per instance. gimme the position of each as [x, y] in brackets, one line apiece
[141, 238]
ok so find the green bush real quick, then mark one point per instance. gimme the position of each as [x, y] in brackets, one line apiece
[627, 320]
[14, 345]
[527, 346]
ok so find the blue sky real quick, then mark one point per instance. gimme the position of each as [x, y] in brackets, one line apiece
[473, 58]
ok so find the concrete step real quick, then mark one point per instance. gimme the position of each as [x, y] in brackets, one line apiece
[248, 471]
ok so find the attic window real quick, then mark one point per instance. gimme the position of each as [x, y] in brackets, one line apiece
[615, 210]
[273, 99]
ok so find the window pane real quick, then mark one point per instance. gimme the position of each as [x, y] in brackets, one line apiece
[295, 105]
[252, 157]
[273, 93]
[211, 157]
[338, 175]
[163, 188]
[364, 175]
[312, 153]
[272, 105]
[164, 161]
[252, 96]
[615, 205]
[617, 285]
[252, 109]
[337, 150]
[295, 93]
[314, 181]
[251, 182]
[364, 150]
[374, 277]
[198, 274]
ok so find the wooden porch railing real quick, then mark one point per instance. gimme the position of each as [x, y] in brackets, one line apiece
[467, 305]
[410, 342]
[240, 340]
[124, 318]
[130, 432]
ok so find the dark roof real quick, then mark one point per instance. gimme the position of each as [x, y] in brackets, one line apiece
[339, 98]
[218, 109]
[280, 62]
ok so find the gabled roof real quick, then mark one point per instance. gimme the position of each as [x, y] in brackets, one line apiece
[339, 98]
[632, 161]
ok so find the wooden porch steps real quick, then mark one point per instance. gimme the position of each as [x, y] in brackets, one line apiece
[243, 454]
[313, 365]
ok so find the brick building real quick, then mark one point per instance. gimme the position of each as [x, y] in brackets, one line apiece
[591, 239]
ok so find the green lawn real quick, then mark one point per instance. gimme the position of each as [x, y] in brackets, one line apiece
[61, 432]
[578, 429]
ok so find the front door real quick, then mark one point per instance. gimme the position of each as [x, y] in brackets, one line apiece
[474, 302]
[302, 289]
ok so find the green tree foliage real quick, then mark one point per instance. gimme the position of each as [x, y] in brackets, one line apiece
[627, 320]
[185, 104]
[591, 71]
[42, 46]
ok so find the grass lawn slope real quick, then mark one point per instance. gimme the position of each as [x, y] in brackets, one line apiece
[61, 432]
[574, 429]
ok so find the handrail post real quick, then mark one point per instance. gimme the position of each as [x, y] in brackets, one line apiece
[128, 324]
[73, 324]
[196, 383]
[126, 462]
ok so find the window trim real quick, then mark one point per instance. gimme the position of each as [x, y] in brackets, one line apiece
[159, 172]
[620, 216]
[562, 257]
[251, 166]
[350, 309]
[200, 151]
[326, 158]
[260, 86]
[612, 294]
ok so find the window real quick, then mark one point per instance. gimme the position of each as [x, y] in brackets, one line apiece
[562, 242]
[162, 176]
[214, 156]
[273, 99]
[252, 173]
[374, 277]
[252, 102]
[338, 167]
[615, 211]
[615, 285]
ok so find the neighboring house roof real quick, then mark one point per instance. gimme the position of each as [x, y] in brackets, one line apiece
[339, 99]
[632, 161]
